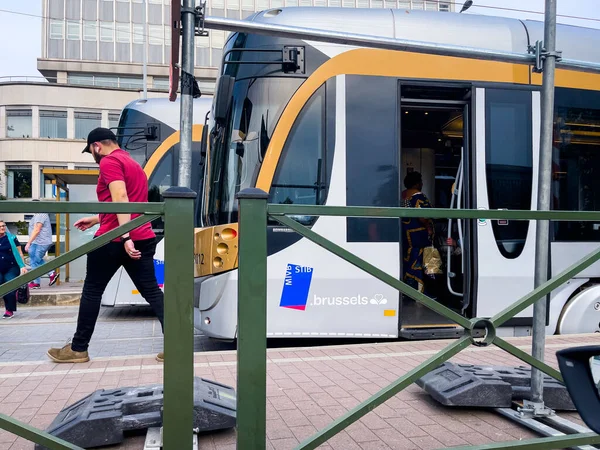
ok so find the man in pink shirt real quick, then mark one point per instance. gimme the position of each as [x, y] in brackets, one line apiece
[121, 179]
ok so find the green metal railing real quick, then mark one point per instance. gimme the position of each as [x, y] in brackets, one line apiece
[252, 322]
[177, 211]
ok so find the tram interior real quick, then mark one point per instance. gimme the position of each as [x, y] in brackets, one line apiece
[432, 141]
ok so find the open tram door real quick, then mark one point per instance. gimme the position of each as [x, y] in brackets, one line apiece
[434, 141]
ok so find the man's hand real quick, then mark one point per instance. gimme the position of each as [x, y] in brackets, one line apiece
[27, 247]
[23, 270]
[131, 250]
[86, 223]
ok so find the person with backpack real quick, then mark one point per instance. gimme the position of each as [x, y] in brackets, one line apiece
[11, 266]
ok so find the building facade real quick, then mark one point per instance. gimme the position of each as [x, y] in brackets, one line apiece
[101, 42]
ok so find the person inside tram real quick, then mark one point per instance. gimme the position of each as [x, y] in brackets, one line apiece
[416, 232]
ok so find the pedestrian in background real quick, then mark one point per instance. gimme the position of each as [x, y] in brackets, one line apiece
[40, 240]
[11, 266]
[121, 179]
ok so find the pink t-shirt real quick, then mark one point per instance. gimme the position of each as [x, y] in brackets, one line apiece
[119, 166]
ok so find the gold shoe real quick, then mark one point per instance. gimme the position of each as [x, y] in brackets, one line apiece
[160, 357]
[67, 355]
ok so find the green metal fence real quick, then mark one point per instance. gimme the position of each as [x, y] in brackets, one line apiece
[177, 211]
[252, 322]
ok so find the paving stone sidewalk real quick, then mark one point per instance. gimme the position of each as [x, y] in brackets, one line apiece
[307, 389]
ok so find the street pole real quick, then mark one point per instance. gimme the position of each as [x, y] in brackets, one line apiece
[187, 85]
[145, 50]
[543, 202]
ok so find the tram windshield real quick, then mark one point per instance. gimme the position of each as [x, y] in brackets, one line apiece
[239, 143]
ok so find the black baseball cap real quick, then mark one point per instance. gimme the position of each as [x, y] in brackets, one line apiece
[97, 135]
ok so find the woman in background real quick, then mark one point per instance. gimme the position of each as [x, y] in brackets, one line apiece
[416, 232]
[11, 266]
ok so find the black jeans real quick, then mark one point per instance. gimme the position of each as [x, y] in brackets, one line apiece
[10, 299]
[102, 264]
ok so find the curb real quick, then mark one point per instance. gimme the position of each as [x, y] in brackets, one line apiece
[53, 299]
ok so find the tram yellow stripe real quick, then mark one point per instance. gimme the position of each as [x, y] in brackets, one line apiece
[405, 65]
[166, 145]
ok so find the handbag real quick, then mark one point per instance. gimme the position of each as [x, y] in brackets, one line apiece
[432, 261]
[22, 294]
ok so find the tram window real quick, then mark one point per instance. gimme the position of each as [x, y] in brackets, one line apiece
[160, 180]
[576, 161]
[509, 163]
[372, 155]
[302, 176]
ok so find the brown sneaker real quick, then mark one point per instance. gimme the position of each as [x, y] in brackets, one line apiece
[160, 357]
[67, 355]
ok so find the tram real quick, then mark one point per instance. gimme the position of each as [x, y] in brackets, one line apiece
[149, 130]
[325, 124]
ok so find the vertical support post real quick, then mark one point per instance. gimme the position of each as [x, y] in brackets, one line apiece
[179, 319]
[544, 196]
[188, 25]
[252, 320]
[57, 244]
[145, 49]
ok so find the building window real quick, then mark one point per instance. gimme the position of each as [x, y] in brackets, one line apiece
[445, 7]
[156, 34]
[82, 79]
[107, 31]
[131, 83]
[73, 31]
[90, 31]
[113, 120]
[18, 123]
[138, 34]
[124, 33]
[218, 39]
[18, 182]
[86, 122]
[57, 29]
[160, 83]
[106, 81]
[168, 35]
[53, 124]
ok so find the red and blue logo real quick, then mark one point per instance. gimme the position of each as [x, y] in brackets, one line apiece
[295, 287]
[159, 271]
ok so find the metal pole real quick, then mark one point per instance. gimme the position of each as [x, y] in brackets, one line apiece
[187, 84]
[252, 321]
[543, 199]
[145, 50]
[178, 418]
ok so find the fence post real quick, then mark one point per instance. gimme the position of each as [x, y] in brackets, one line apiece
[252, 320]
[179, 319]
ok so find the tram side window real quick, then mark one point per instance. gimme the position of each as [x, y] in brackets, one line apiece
[576, 161]
[303, 174]
[160, 180]
[372, 155]
[508, 154]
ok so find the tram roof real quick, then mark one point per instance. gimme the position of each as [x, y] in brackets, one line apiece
[167, 111]
[472, 30]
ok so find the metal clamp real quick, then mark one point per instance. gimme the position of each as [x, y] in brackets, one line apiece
[541, 54]
[200, 15]
[534, 409]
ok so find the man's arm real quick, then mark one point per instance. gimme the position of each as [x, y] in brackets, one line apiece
[36, 230]
[118, 193]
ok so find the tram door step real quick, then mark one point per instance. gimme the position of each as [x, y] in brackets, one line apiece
[104, 416]
[420, 332]
[490, 386]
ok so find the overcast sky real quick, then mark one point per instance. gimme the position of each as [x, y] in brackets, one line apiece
[21, 41]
